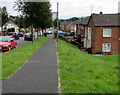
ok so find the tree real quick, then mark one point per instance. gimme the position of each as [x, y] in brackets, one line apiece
[4, 16]
[55, 23]
[74, 18]
[37, 14]
[21, 22]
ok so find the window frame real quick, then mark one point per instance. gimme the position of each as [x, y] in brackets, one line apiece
[110, 30]
[106, 45]
[89, 33]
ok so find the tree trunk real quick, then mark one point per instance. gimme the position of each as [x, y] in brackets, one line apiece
[37, 35]
[32, 33]
[42, 33]
[2, 30]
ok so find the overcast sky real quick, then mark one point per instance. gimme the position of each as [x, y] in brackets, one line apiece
[74, 8]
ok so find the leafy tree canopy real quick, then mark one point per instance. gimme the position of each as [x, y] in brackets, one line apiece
[37, 14]
[4, 15]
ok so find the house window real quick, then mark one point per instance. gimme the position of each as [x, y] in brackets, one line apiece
[106, 47]
[107, 32]
[89, 33]
[82, 27]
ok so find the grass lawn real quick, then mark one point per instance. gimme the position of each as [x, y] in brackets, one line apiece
[85, 73]
[14, 59]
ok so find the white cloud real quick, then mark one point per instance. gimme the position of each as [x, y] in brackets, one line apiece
[9, 4]
[71, 8]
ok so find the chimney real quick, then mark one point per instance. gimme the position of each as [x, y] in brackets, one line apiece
[101, 12]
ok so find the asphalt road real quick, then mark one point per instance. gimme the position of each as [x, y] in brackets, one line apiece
[21, 41]
[38, 75]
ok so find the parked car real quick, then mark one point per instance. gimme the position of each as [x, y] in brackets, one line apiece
[7, 43]
[28, 36]
[14, 34]
[40, 33]
[20, 34]
[49, 32]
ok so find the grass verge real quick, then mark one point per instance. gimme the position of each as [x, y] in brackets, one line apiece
[84, 73]
[14, 59]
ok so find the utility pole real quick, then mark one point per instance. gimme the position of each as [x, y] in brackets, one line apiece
[57, 16]
[57, 19]
[1, 21]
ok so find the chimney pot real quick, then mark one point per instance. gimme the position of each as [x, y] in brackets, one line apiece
[101, 12]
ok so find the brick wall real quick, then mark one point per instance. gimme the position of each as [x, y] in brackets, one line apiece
[97, 38]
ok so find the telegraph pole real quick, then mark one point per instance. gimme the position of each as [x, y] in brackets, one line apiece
[57, 15]
[57, 19]
[1, 21]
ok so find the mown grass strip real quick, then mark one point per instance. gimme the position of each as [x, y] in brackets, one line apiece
[84, 73]
[15, 58]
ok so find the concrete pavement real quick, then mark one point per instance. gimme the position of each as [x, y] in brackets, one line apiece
[38, 75]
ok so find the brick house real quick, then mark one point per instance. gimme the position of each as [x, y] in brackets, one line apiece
[66, 26]
[103, 33]
[81, 30]
[74, 26]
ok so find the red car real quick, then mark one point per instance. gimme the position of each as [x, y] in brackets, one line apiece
[7, 43]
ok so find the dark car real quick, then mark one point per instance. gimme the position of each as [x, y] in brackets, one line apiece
[20, 34]
[14, 34]
[28, 37]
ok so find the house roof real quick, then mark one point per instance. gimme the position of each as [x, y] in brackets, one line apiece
[105, 19]
[84, 21]
[66, 22]
[75, 22]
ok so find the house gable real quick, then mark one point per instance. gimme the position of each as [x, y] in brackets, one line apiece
[98, 24]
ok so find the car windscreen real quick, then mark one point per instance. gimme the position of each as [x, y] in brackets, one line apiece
[11, 33]
[5, 39]
[28, 34]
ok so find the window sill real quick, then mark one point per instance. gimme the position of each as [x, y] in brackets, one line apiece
[106, 37]
[106, 51]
